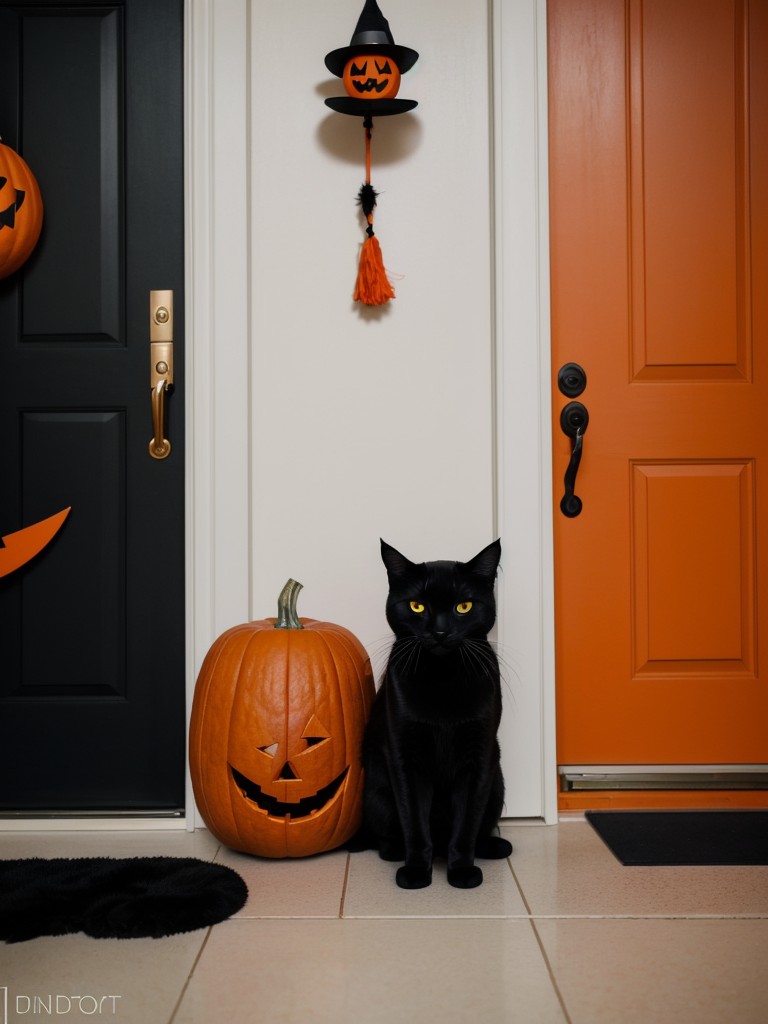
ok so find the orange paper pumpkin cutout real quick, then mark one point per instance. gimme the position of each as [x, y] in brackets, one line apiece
[371, 77]
[275, 735]
[20, 547]
[21, 211]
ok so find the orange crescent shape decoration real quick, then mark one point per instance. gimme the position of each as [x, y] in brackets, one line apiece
[23, 545]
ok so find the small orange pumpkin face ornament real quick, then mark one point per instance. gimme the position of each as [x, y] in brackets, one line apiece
[371, 77]
[21, 211]
[276, 731]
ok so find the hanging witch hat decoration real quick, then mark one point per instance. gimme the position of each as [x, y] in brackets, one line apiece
[370, 68]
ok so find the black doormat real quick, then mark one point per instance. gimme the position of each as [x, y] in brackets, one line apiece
[111, 898]
[657, 838]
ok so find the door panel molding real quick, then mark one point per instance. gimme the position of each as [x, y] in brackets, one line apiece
[83, 54]
[694, 603]
[691, 303]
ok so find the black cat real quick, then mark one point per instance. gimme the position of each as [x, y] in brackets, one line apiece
[433, 781]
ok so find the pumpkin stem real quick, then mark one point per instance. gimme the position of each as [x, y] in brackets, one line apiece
[287, 617]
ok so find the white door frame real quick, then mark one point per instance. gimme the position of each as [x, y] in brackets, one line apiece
[217, 122]
[523, 373]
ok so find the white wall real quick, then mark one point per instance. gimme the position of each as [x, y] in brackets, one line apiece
[368, 422]
[318, 425]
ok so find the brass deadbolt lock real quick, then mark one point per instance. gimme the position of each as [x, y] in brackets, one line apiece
[162, 316]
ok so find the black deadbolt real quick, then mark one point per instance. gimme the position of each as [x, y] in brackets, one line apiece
[571, 379]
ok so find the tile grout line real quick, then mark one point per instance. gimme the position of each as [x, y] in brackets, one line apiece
[508, 916]
[192, 970]
[550, 971]
[539, 942]
[344, 886]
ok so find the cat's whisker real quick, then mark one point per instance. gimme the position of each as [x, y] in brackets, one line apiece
[403, 651]
[470, 657]
[381, 645]
[483, 659]
[413, 655]
[487, 658]
[503, 653]
[464, 656]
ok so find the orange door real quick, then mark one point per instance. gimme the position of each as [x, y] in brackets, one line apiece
[659, 214]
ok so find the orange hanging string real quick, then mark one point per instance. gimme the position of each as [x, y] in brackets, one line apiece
[368, 126]
[373, 287]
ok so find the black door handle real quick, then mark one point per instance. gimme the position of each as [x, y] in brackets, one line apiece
[574, 420]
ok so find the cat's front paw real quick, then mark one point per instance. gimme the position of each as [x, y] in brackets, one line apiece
[493, 848]
[413, 877]
[465, 878]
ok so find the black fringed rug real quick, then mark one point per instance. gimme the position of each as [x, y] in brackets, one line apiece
[683, 838]
[111, 898]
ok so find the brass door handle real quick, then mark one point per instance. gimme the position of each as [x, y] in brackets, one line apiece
[159, 446]
[161, 367]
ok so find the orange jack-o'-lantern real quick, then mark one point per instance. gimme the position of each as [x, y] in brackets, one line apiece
[275, 735]
[371, 77]
[21, 211]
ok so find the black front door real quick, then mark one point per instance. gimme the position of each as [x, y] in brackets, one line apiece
[92, 628]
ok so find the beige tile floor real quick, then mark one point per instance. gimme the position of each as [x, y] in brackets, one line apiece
[559, 933]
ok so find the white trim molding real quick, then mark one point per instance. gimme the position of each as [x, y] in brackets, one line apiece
[217, 338]
[523, 414]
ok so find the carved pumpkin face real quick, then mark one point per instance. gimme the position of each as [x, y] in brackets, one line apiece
[275, 737]
[21, 211]
[371, 77]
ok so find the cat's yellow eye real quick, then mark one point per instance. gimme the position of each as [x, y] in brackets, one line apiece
[463, 607]
[417, 606]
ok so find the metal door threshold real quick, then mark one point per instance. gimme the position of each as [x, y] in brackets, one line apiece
[576, 778]
[83, 815]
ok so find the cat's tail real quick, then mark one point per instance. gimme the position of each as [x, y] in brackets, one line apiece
[492, 847]
[363, 839]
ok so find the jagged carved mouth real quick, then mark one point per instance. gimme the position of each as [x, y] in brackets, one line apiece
[279, 808]
[371, 85]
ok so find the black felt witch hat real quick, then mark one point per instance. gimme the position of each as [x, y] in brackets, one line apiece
[372, 32]
[372, 35]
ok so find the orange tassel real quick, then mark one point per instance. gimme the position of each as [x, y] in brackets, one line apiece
[373, 287]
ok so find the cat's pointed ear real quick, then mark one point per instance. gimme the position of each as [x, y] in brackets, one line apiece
[397, 564]
[486, 562]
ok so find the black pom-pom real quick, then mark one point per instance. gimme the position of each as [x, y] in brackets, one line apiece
[366, 197]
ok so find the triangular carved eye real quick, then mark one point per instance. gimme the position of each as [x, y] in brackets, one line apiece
[359, 71]
[315, 732]
[271, 750]
[385, 70]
